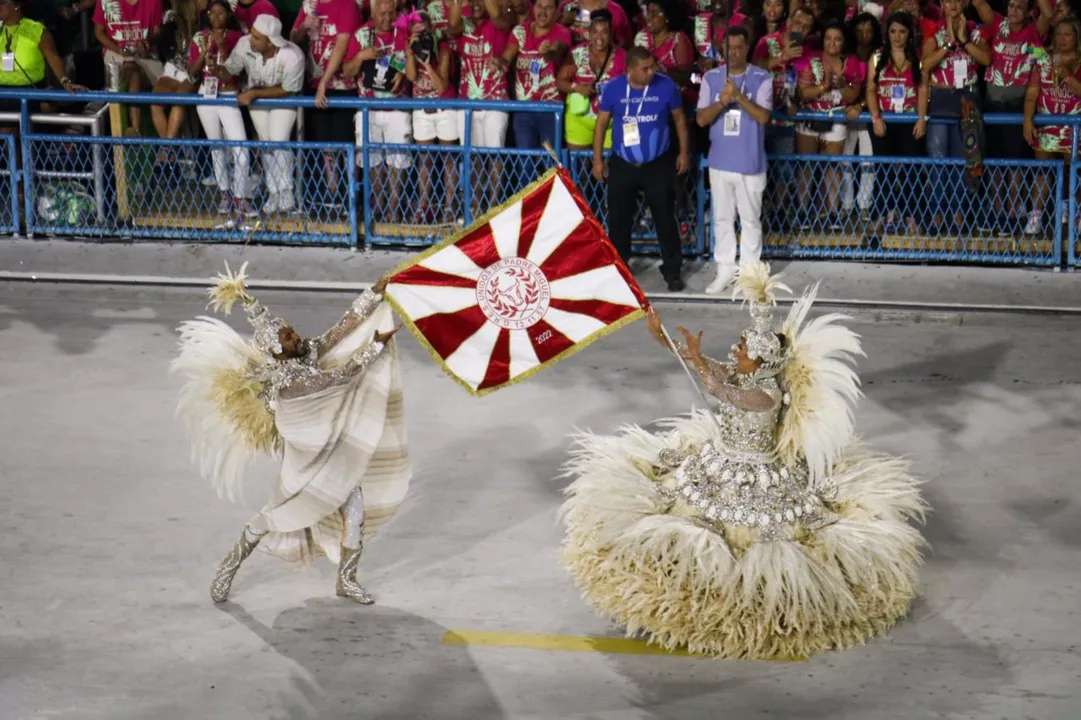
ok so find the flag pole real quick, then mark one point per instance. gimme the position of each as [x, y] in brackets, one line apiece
[551, 151]
[693, 379]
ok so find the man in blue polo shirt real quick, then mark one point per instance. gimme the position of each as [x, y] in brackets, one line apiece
[639, 104]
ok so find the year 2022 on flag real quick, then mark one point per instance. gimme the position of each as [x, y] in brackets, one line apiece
[532, 283]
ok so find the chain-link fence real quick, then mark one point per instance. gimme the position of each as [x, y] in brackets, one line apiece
[908, 208]
[845, 207]
[192, 190]
[419, 194]
[644, 233]
[9, 195]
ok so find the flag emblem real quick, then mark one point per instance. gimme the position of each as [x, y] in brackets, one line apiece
[529, 284]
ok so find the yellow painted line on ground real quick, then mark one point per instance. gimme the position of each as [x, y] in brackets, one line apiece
[568, 643]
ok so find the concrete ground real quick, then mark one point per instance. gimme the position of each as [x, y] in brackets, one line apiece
[109, 539]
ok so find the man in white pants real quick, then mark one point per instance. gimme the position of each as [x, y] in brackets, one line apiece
[275, 69]
[735, 103]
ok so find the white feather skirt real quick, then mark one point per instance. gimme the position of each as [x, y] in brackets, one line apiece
[648, 564]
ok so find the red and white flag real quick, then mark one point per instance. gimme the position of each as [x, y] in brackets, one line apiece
[531, 284]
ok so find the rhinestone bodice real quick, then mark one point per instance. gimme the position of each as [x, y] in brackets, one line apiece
[746, 430]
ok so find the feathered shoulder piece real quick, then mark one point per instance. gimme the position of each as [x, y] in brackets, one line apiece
[222, 397]
[821, 387]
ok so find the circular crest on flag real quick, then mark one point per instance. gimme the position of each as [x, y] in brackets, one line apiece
[513, 293]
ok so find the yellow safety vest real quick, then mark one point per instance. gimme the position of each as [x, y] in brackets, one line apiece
[23, 41]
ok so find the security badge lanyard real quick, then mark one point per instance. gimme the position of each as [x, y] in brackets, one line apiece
[897, 97]
[631, 137]
[733, 116]
[7, 60]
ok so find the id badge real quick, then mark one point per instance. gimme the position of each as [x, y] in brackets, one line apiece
[835, 98]
[960, 72]
[535, 69]
[7, 62]
[731, 122]
[210, 87]
[383, 63]
[630, 133]
[897, 97]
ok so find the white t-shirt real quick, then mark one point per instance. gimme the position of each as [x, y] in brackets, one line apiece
[286, 68]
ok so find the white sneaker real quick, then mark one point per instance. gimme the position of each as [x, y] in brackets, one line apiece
[285, 202]
[725, 276]
[271, 205]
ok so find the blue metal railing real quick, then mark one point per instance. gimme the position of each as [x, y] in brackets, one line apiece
[439, 188]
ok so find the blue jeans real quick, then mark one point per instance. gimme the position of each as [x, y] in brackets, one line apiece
[947, 181]
[532, 128]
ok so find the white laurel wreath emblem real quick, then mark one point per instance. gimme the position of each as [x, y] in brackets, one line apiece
[513, 293]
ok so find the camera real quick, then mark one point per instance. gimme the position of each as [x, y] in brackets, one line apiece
[424, 46]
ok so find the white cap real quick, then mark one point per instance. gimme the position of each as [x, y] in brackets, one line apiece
[271, 27]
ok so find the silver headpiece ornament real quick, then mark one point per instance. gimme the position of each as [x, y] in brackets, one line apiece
[229, 289]
[756, 286]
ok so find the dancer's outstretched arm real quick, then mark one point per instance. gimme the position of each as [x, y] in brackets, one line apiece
[359, 311]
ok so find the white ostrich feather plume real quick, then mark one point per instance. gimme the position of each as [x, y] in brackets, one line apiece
[822, 387]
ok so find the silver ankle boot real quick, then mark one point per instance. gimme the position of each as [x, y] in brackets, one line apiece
[223, 578]
[347, 577]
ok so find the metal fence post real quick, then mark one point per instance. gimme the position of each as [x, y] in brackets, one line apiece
[365, 155]
[700, 211]
[24, 131]
[467, 168]
[13, 181]
[1071, 231]
[351, 156]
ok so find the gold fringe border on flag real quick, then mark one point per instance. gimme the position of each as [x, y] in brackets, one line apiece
[420, 257]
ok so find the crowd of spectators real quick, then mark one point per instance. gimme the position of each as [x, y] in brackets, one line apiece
[846, 56]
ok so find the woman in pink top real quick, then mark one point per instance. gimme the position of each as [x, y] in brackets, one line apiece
[1013, 39]
[209, 49]
[671, 48]
[427, 66]
[1054, 89]
[575, 14]
[326, 27]
[536, 50]
[952, 56]
[828, 82]
[583, 77]
[896, 87]
[125, 29]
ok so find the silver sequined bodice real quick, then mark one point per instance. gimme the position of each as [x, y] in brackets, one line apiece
[750, 431]
[738, 480]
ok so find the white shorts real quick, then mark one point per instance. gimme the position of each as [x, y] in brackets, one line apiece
[387, 126]
[152, 68]
[837, 133]
[175, 73]
[489, 128]
[441, 125]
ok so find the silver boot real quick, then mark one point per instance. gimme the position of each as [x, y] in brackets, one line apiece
[223, 578]
[347, 577]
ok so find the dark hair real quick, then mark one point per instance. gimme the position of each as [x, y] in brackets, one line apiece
[876, 29]
[674, 13]
[905, 20]
[841, 28]
[603, 15]
[638, 54]
[756, 10]
[739, 31]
